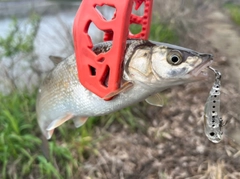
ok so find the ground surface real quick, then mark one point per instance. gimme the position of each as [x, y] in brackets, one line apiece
[174, 144]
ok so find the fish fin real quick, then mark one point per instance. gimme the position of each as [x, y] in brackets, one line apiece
[155, 100]
[126, 86]
[49, 134]
[55, 59]
[45, 147]
[79, 121]
[57, 123]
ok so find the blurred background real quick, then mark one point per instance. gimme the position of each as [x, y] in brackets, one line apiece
[139, 142]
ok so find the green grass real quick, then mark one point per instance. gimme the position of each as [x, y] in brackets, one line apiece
[159, 32]
[234, 11]
[20, 143]
[16, 139]
[163, 33]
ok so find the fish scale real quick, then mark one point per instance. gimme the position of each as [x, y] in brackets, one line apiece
[61, 96]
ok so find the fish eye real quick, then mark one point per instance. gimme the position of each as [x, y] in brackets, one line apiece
[175, 57]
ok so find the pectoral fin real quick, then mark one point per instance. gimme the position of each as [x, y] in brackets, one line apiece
[54, 124]
[126, 86]
[155, 100]
[79, 121]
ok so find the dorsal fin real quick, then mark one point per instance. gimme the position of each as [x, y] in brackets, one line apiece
[55, 59]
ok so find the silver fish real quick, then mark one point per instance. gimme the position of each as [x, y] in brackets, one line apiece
[212, 121]
[148, 68]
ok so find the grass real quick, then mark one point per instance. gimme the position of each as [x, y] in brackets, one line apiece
[16, 140]
[20, 146]
[159, 32]
[234, 11]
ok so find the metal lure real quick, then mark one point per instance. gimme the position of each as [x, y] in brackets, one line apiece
[212, 121]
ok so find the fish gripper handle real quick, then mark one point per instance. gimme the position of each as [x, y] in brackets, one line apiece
[101, 73]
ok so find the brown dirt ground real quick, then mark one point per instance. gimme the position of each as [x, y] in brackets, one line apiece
[174, 144]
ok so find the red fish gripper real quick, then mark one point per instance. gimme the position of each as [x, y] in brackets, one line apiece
[101, 73]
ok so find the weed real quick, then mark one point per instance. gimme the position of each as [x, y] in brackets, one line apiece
[17, 123]
[159, 32]
[17, 53]
[234, 11]
[20, 146]
[163, 33]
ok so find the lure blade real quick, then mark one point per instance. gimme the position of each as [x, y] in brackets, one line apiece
[212, 121]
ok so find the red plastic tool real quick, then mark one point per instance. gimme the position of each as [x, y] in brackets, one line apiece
[101, 73]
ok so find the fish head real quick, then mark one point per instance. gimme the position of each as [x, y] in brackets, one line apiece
[167, 63]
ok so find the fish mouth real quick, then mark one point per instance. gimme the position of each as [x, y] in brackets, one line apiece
[199, 70]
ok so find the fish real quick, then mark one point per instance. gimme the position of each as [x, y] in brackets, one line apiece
[213, 123]
[149, 67]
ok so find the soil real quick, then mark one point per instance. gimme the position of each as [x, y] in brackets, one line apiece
[173, 143]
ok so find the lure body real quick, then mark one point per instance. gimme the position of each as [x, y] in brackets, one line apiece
[212, 121]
